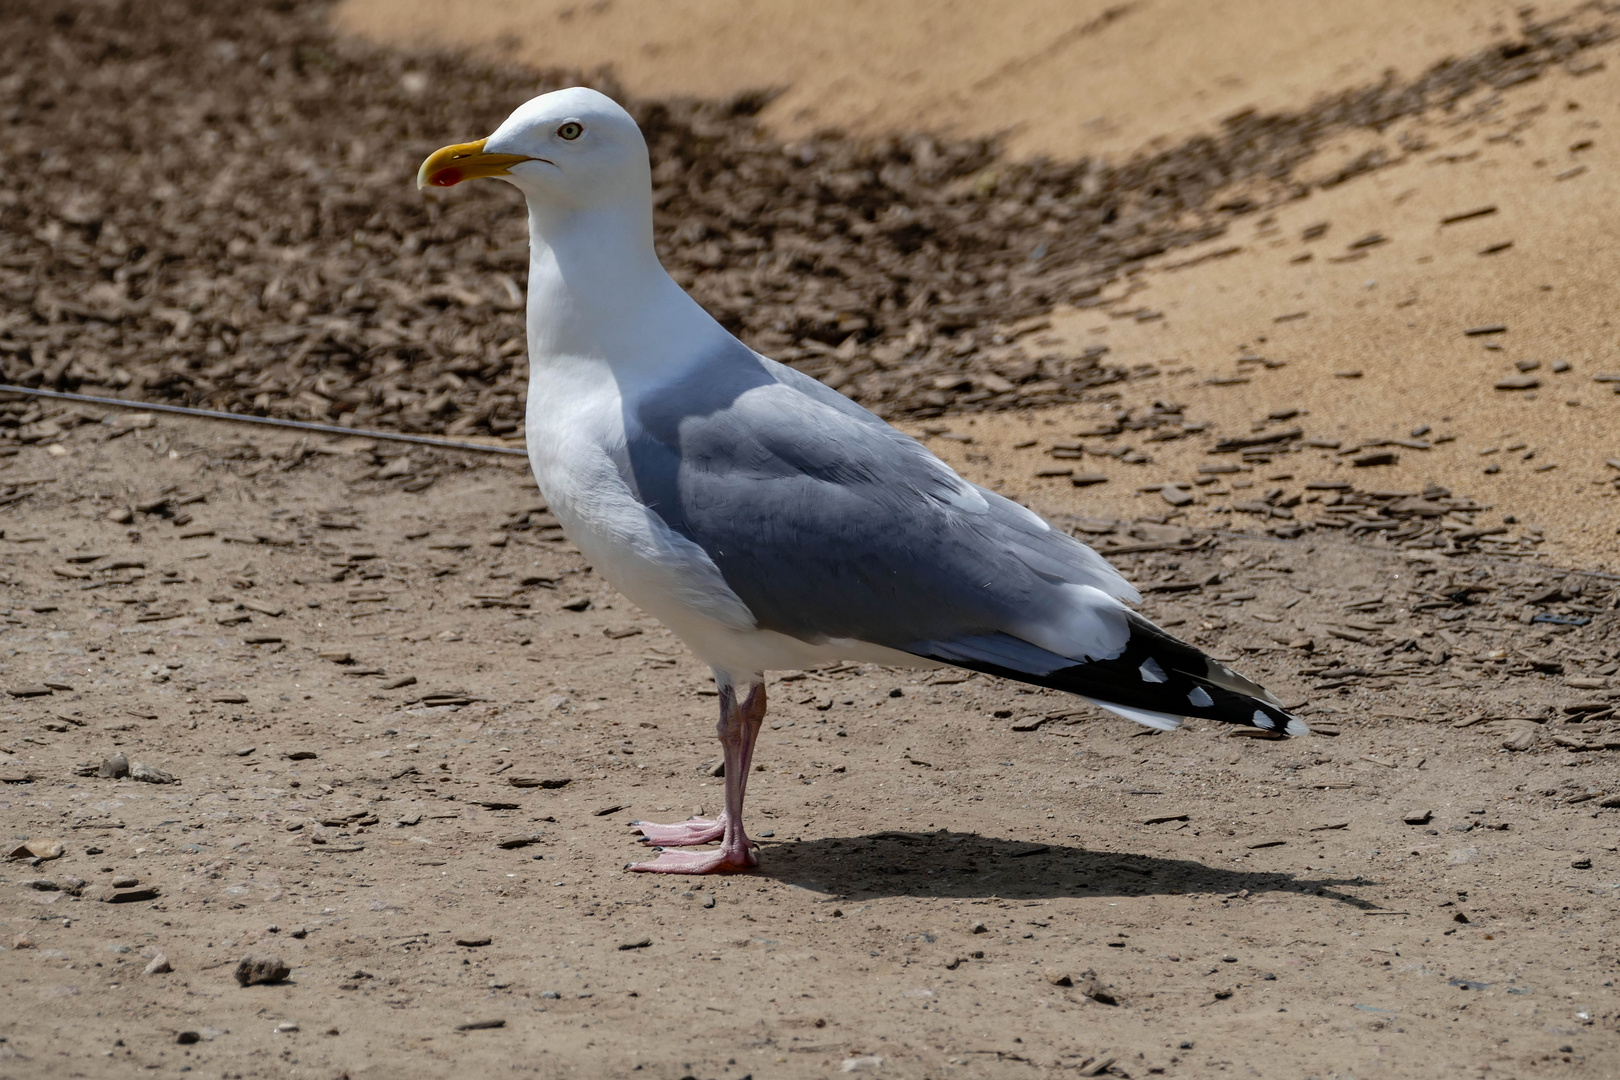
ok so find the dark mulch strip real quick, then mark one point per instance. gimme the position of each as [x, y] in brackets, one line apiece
[211, 202]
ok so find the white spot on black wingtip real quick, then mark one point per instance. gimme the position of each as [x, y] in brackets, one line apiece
[1152, 672]
[1296, 727]
[1200, 697]
[1261, 720]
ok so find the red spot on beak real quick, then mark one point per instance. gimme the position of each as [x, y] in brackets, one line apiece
[446, 177]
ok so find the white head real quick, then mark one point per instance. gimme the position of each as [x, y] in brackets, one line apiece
[571, 149]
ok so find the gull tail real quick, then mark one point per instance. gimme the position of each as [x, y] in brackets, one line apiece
[1156, 681]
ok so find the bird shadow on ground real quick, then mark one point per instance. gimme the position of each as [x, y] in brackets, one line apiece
[968, 865]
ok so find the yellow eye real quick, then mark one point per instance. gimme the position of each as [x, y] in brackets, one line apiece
[571, 130]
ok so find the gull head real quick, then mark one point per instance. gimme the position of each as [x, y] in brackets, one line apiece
[569, 149]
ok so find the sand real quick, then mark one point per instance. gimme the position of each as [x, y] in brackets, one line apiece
[1060, 78]
[1398, 316]
[1394, 311]
[935, 883]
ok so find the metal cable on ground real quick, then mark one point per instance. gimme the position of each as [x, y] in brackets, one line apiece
[269, 421]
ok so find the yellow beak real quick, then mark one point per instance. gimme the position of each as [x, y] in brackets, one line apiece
[451, 165]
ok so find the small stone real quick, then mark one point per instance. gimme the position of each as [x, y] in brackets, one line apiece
[549, 784]
[481, 1025]
[1058, 978]
[136, 895]
[473, 940]
[550, 995]
[36, 690]
[184, 1038]
[511, 842]
[286, 1027]
[36, 849]
[1582, 864]
[864, 1063]
[1518, 382]
[638, 943]
[1381, 457]
[578, 603]
[979, 928]
[147, 774]
[1090, 986]
[1175, 496]
[1419, 817]
[113, 766]
[261, 970]
[158, 965]
[125, 881]
[1521, 740]
[1088, 479]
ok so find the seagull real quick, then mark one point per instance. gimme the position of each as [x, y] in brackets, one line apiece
[770, 522]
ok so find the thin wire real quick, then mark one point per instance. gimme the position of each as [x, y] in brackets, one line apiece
[269, 421]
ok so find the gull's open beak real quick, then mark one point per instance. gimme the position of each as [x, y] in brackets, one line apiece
[463, 161]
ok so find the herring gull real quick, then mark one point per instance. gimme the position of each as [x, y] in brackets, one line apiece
[770, 522]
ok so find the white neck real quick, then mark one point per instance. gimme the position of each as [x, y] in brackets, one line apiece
[597, 289]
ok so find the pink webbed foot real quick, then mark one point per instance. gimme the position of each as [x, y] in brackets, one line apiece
[684, 834]
[723, 860]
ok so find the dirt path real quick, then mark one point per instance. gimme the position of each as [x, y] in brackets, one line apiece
[345, 654]
[928, 868]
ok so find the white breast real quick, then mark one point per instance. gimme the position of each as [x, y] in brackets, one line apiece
[575, 431]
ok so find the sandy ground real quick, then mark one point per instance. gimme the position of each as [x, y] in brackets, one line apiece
[1059, 78]
[931, 874]
[1394, 315]
[945, 859]
[1385, 290]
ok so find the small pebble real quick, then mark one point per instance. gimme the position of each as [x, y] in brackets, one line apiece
[261, 970]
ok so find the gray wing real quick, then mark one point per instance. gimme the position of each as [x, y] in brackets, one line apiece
[830, 524]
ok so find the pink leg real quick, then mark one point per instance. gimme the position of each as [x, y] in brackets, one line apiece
[739, 727]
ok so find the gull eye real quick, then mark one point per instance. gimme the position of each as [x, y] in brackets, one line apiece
[571, 130]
